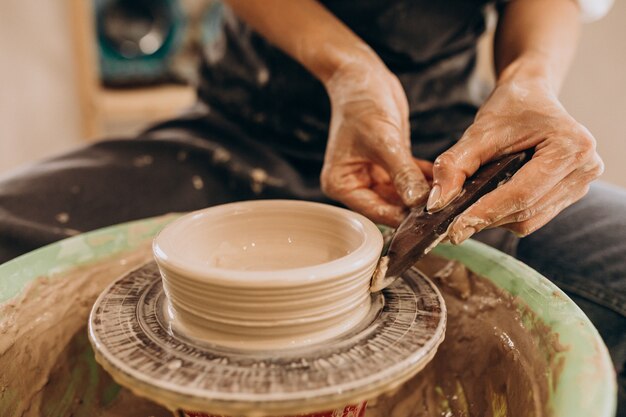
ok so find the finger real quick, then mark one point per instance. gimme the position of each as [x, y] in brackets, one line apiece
[534, 180]
[379, 175]
[336, 180]
[425, 166]
[381, 185]
[374, 207]
[410, 183]
[477, 146]
[350, 184]
[533, 215]
[539, 215]
[455, 165]
[392, 152]
[566, 193]
[388, 193]
[406, 176]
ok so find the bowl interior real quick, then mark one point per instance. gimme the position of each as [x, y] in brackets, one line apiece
[261, 236]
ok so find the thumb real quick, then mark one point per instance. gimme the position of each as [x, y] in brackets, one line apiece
[455, 165]
[408, 179]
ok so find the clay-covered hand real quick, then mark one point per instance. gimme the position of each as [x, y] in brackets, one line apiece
[368, 164]
[517, 116]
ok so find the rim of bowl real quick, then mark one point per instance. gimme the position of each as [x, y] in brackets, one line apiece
[364, 256]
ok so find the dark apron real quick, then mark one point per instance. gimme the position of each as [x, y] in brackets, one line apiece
[259, 129]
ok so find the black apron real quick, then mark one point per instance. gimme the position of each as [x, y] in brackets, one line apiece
[429, 45]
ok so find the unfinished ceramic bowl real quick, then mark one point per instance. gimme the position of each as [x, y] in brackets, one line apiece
[268, 274]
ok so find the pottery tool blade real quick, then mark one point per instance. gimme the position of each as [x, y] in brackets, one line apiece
[421, 230]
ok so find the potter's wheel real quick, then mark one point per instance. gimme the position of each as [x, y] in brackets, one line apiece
[133, 340]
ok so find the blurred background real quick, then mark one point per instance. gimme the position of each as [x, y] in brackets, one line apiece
[73, 71]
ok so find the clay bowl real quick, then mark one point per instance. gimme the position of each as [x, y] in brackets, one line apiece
[268, 274]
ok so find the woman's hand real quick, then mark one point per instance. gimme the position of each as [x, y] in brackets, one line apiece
[519, 114]
[368, 164]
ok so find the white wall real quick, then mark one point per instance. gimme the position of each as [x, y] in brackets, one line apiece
[595, 90]
[38, 98]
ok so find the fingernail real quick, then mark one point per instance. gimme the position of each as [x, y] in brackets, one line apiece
[433, 199]
[409, 195]
[415, 193]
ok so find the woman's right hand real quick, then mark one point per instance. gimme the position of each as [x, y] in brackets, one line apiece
[368, 164]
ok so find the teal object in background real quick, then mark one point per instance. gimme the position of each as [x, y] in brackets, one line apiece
[138, 40]
[585, 387]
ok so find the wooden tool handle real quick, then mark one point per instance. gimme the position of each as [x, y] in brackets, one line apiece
[421, 230]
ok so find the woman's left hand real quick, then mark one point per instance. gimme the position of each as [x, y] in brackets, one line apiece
[518, 115]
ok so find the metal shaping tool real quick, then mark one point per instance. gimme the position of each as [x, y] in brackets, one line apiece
[421, 230]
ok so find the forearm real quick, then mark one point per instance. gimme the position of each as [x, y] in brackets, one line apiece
[308, 32]
[536, 39]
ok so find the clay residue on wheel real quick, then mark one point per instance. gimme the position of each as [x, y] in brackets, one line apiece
[497, 360]
[47, 367]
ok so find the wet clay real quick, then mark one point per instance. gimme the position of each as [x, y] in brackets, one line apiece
[495, 360]
[65, 394]
[47, 366]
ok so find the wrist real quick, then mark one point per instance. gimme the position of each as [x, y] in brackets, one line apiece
[530, 68]
[349, 67]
